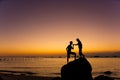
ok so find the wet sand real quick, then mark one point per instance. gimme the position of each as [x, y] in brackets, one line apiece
[23, 77]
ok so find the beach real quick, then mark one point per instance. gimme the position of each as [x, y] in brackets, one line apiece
[36, 68]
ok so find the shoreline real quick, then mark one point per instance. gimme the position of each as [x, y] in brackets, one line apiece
[9, 76]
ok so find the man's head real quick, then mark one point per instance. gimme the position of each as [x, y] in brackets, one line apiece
[71, 42]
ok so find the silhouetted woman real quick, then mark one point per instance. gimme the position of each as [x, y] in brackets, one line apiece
[79, 46]
[69, 51]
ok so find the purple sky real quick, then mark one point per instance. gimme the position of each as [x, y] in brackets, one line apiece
[39, 25]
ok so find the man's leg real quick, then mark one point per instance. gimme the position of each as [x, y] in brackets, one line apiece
[75, 55]
[68, 56]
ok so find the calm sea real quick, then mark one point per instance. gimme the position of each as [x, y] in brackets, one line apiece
[52, 66]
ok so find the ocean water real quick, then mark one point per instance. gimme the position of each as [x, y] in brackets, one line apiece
[52, 66]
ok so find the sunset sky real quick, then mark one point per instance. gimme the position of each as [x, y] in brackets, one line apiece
[30, 27]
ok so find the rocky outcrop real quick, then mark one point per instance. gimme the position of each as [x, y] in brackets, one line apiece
[1, 78]
[108, 72]
[102, 77]
[79, 69]
[56, 78]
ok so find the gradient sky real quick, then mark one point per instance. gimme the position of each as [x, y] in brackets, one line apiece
[46, 26]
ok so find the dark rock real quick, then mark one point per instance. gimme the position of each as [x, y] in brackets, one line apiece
[102, 77]
[108, 72]
[1, 78]
[79, 69]
[56, 78]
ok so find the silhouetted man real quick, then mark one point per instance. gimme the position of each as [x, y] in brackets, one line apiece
[69, 48]
[79, 46]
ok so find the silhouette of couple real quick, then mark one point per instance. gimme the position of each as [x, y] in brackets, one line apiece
[71, 46]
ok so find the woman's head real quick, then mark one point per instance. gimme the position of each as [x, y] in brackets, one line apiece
[78, 40]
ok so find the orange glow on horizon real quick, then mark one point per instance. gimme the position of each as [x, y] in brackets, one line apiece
[51, 51]
[55, 46]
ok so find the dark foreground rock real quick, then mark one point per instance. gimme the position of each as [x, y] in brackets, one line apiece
[56, 78]
[102, 77]
[108, 72]
[1, 78]
[79, 69]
